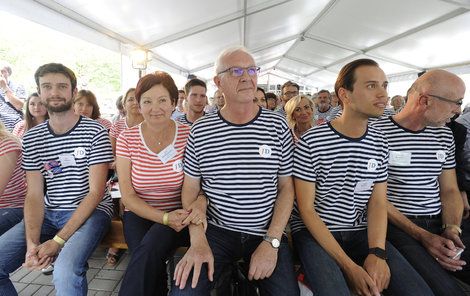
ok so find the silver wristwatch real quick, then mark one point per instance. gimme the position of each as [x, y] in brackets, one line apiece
[275, 243]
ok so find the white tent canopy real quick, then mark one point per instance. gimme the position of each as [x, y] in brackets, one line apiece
[306, 41]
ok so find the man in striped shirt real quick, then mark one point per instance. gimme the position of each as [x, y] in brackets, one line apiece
[340, 170]
[12, 98]
[241, 157]
[425, 208]
[70, 154]
[196, 97]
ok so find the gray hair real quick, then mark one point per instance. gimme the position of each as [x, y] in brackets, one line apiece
[219, 66]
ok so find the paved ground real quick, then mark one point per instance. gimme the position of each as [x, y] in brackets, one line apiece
[103, 280]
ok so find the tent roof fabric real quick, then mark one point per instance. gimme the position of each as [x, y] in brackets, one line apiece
[301, 40]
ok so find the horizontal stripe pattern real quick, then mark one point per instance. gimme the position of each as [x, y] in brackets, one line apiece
[339, 166]
[239, 166]
[157, 183]
[414, 187]
[86, 144]
[15, 191]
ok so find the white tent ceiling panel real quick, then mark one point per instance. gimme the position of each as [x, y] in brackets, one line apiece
[295, 67]
[144, 21]
[389, 68]
[446, 43]
[268, 66]
[272, 52]
[364, 23]
[281, 21]
[206, 74]
[318, 53]
[322, 78]
[201, 49]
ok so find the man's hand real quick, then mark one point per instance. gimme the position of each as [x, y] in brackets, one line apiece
[360, 281]
[263, 262]
[442, 249]
[32, 260]
[176, 218]
[196, 255]
[49, 248]
[378, 270]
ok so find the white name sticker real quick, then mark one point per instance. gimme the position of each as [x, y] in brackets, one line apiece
[265, 151]
[79, 152]
[363, 185]
[178, 166]
[441, 155]
[67, 160]
[372, 165]
[166, 154]
[400, 158]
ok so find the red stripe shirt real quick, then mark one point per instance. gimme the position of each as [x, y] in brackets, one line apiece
[157, 183]
[118, 127]
[14, 193]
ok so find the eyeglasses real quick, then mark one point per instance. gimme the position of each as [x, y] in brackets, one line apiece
[458, 103]
[237, 71]
[291, 93]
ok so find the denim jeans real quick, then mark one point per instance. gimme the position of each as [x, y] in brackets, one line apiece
[230, 246]
[9, 217]
[326, 278]
[439, 279]
[70, 267]
[151, 245]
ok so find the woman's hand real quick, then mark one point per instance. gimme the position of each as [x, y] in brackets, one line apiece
[197, 212]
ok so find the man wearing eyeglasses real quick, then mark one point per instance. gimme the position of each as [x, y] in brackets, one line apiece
[425, 207]
[241, 157]
[288, 91]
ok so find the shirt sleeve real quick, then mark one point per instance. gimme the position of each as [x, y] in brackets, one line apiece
[450, 153]
[122, 146]
[191, 161]
[287, 155]
[382, 172]
[31, 158]
[304, 166]
[101, 150]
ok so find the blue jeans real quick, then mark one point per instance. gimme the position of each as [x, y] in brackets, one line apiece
[71, 264]
[9, 217]
[230, 246]
[440, 280]
[326, 278]
[151, 245]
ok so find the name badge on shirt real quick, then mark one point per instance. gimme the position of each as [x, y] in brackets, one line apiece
[400, 158]
[67, 160]
[166, 154]
[363, 185]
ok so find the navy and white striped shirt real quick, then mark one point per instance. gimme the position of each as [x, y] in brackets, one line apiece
[239, 166]
[64, 161]
[184, 119]
[344, 171]
[416, 162]
[9, 115]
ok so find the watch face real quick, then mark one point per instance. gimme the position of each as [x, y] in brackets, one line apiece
[275, 243]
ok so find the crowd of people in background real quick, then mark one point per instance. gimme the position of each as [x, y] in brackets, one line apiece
[372, 190]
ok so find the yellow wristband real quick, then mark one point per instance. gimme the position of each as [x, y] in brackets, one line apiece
[165, 218]
[452, 226]
[59, 240]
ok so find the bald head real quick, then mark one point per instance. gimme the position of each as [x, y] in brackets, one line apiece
[441, 82]
[434, 98]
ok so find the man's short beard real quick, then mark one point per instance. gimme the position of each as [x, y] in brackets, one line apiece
[62, 108]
